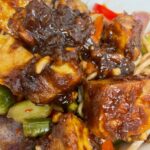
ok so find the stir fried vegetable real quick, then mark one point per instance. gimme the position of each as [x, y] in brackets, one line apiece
[28, 110]
[36, 127]
[101, 9]
[107, 145]
[98, 24]
[146, 43]
[6, 100]
[143, 64]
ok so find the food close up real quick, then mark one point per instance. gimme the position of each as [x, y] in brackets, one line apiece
[72, 78]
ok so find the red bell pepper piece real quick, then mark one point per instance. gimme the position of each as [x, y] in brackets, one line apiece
[107, 145]
[101, 9]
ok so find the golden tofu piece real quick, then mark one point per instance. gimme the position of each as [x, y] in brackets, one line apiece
[120, 35]
[118, 109]
[7, 9]
[69, 134]
[12, 55]
[53, 81]
[42, 82]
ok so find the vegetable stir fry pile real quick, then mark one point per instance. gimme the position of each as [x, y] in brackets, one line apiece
[71, 78]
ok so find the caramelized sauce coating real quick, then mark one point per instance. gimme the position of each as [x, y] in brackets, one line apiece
[70, 134]
[42, 88]
[48, 30]
[118, 108]
[65, 43]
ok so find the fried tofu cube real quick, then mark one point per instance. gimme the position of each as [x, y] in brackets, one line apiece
[7, 9]
[12, 55]
[69, 134]
[5, 13]
[41, 82]
[46, 83]
[118, 109]
[123, 35]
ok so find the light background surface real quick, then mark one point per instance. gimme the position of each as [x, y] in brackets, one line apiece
[123, 5]
[128, 6]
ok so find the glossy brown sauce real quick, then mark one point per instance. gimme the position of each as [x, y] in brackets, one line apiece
[114, 106]
[64, 33]
[53, 30]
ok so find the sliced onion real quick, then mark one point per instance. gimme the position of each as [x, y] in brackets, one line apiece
[137, 144]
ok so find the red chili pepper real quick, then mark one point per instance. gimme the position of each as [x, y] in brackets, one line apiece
[101, 9]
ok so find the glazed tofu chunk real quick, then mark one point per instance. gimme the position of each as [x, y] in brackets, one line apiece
[118, 109]
[12, 55]
[51, 31]
[123, 35]
[42, 82]
[69, 134]
[7, 9]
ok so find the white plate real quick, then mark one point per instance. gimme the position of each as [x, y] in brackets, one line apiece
[128, 6]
